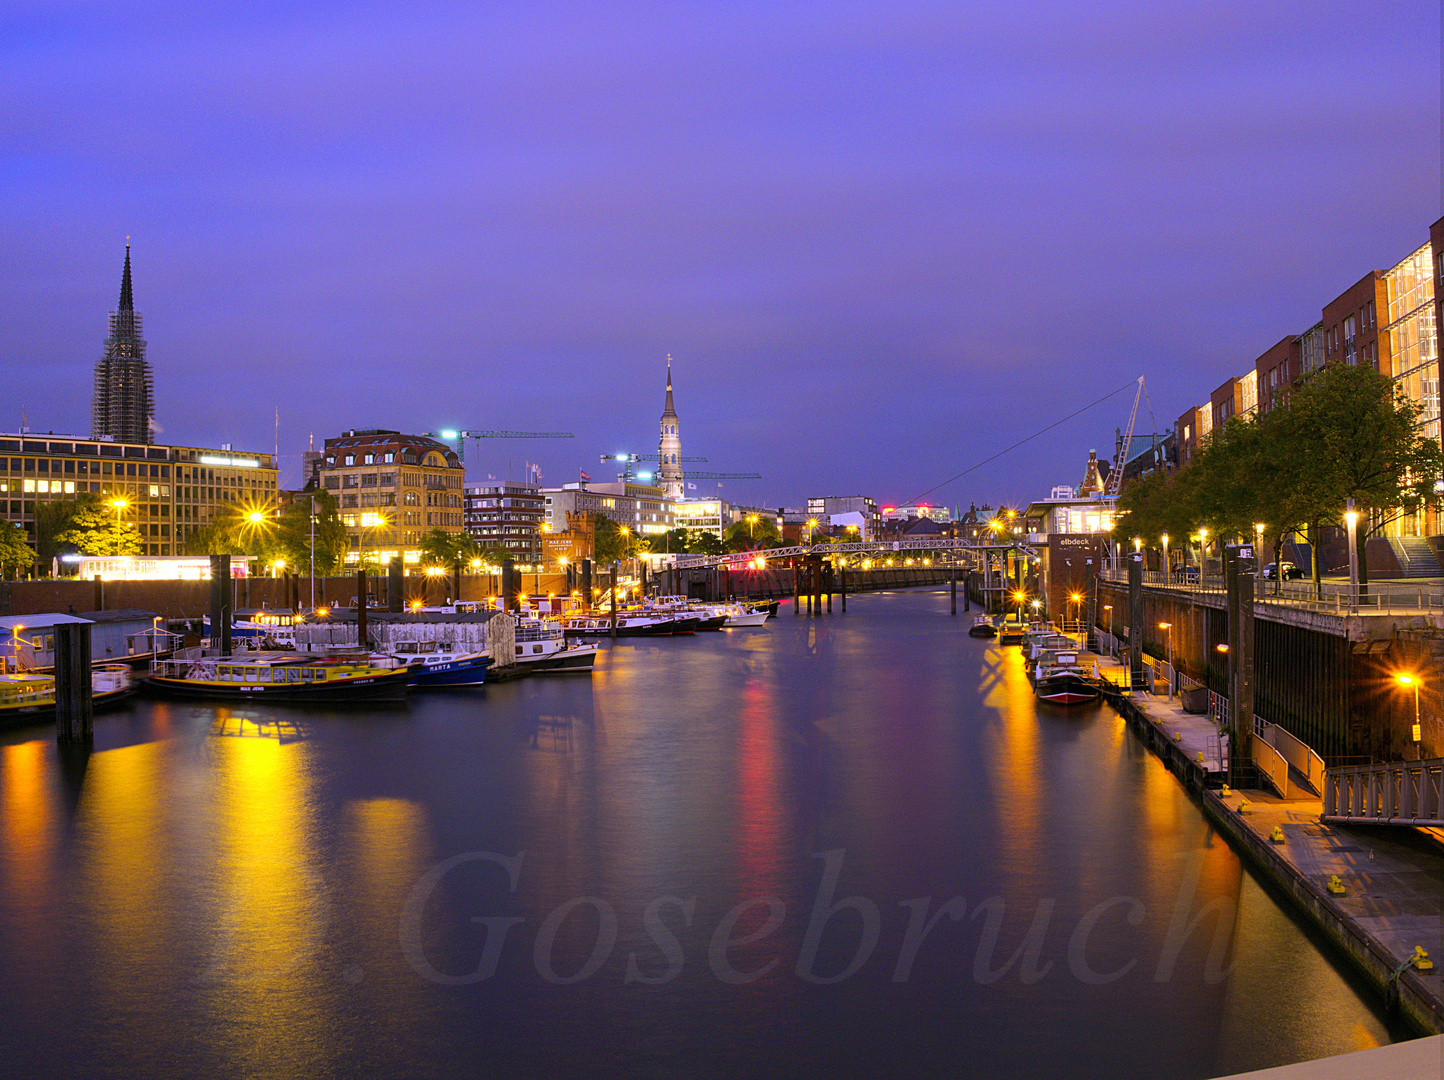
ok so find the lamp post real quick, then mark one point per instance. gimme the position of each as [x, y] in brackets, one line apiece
[1258, 532]
[1167, 628]
[1202, 553]
[120, 505]
[1166, 567]
[1414, 681]
[1351, 517]
[1109, 608]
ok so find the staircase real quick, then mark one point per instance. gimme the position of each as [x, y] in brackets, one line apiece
[1416, 557]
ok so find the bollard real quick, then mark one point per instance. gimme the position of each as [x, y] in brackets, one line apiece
[842, 585]
[955, 589]
[395, 590]
[222, 604]
[73, 704]
[614, 599]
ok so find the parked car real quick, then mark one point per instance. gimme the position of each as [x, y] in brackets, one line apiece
[1287, 570]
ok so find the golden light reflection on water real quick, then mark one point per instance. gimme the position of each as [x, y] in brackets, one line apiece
[270, 903]
[28, 825]
[1013, 758]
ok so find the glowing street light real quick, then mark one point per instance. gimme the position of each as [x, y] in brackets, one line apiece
[120, 505]
[1415, 682]
[1351, 518]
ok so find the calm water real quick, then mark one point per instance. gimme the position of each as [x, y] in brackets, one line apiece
[250, 892]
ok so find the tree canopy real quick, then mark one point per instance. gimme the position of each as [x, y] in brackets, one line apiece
[89, 527]
[1347, 432]
[16, 554]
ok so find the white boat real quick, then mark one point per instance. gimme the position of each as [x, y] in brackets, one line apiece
[542, 645]
[435, 664]
[737, 615]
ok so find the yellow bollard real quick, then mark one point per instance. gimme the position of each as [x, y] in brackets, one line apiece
[1243, 807]
[1277, 836]
[1223, 792]
[1421, 959]
[1335, 886]
[1178, 736]
[1200, 757]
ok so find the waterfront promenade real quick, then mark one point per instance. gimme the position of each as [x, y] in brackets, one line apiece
[1392, 877]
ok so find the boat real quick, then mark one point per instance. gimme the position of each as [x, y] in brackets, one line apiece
[629, 624]
[252, 625]
[1044, 640]
[542, 645]
[282, 676]
[983, 627]
[27, 696]
[436, 665]
[1060, 679]
[742, 615]
[1012, 633]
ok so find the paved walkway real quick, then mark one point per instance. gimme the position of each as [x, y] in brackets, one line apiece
[1417, 1059]
[1393, 875]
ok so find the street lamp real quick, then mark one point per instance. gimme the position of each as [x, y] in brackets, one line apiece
[751, 521]
[1166, 567]
[1415, 682]
[1351, 517]
[1020, 596]
[1258, 531]
[120, 505]
[1167, 628]
[811, 528]
[1202, 552]
[1109, 608]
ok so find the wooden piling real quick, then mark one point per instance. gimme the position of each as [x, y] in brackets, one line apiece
[955, 588]
[361, 599]
[614, 599]
[73, 703]
[796, 588]
[395, 587]
[842, 584]
[222, 604]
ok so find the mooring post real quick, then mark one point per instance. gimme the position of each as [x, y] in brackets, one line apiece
[1135, 619]
[508, 584]
[222, 603]
[614, 598]
[828, 575]
[842, 584]
[395, 589]
[586, 585]
[1239, 566]
[73, 703]
[967, 591]
[955, 587]
[361, 604]
[796, 588]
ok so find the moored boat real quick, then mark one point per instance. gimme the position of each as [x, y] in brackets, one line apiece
[1059, 678]
[542, 645]
[436, 665]
[26, 697]
[983, 627]
[629, 624]
[282, 676]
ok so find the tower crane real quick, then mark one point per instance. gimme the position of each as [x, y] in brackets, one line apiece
[460, 437]
[626, 461]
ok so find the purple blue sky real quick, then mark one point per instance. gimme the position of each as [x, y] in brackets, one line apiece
[880, 240]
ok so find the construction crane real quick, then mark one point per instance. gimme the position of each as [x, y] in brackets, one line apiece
[1115, 476]
[626, 461]
[723, 476]
[460, 437]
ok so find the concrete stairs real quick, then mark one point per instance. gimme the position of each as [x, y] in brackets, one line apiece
[1416, 557]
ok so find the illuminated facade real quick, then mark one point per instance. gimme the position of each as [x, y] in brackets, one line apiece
[507, 514]
[669, 447]
[640, 507]
[169, 492]
[392, 490]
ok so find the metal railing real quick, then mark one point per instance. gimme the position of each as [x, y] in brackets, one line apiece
[1376, 598]
[1386, 793]
[976, 549]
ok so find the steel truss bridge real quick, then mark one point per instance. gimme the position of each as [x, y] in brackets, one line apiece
[973, 552]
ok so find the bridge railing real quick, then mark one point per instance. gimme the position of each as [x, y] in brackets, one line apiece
[1376, 598]
[971, 548]
[1386, 793]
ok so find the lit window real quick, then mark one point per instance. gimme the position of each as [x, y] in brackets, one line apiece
[155, 491]
[70, 487]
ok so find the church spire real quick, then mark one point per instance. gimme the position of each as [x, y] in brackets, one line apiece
[669, 410]
[127, 302]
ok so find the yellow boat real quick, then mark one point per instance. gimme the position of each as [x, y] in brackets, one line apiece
[29, 696]
[282, 676]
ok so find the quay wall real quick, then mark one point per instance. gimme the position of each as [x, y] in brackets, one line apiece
[1328, 680]
[1409, 993]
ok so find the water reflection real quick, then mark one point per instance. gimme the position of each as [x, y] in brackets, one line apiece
[228, 896]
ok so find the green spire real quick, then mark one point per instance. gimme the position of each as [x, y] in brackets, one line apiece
[127, 303]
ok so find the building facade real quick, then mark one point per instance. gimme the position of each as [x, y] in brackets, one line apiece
[509, 515]
[168, 492]
[392, 490]
[121, 406]
[640, 507]
[669, 448]
[823, 507]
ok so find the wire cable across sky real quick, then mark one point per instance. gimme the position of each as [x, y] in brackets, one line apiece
[1020, 442]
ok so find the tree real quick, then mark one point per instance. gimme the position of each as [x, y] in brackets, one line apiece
[291, 540]
[440, 548]
[15, 549]
[1356, 435]
[706, 543]
[609, 543]
[750, 535]
[92, 529]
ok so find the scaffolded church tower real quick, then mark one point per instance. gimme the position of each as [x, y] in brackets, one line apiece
[122, 407]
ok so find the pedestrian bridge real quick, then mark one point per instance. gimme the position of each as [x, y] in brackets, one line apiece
[969, 553]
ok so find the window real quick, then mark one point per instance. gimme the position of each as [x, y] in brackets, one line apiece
[350, 459]
[370, 459]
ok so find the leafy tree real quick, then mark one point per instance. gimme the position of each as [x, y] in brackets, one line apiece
[92, 529]
[291, 538]
[15, 549]
[440, 548]
[747, 536]
[610, 544]
[706, 543]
